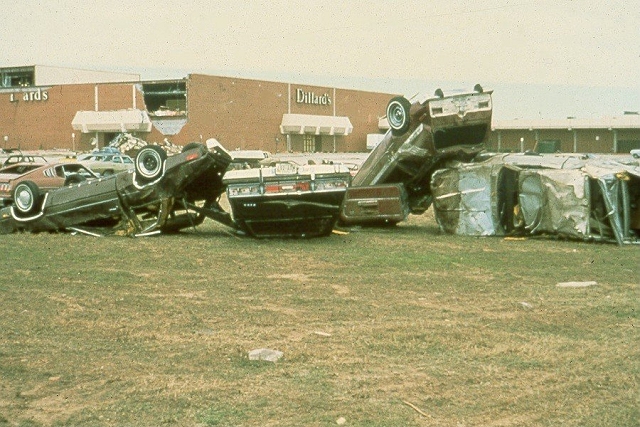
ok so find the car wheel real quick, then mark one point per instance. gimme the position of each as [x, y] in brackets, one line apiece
[398, 115]
[74, 178]
[149, 162]
[26, 196]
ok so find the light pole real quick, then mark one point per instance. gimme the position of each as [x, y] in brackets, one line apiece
[6, 139]
[73, 141]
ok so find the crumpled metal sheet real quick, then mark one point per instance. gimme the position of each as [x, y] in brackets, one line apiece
[582, 197]
[555, 202]
[462, 200]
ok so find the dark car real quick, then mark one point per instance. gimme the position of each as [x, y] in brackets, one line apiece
[423, 136]
[287, 200]
[140, 201]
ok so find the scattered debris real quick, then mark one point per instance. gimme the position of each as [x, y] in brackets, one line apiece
[526, 305]
[322, 334]
[415, 408]
[341, 421]
[576, 284]
[125, 142]
[265, 354]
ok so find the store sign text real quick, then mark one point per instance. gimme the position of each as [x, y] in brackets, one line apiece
[37, 95]
[303, 97]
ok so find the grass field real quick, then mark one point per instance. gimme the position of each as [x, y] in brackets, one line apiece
[389, 327]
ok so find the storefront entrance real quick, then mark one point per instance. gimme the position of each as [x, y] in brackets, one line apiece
[312, 143]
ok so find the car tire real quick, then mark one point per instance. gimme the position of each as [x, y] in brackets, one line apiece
[26, 198]
[74, 178]
[398, 115]
[149, 163]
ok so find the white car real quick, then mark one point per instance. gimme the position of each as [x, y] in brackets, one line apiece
[108, 165]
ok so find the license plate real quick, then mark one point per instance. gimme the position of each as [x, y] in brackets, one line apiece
[286, 169]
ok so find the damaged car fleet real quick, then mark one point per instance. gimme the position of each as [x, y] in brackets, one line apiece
[433, 155]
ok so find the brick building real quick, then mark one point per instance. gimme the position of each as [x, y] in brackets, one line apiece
[61, 108]
[78, 110]
[607, 135]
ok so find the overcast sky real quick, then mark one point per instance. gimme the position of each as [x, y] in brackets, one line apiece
[381, 45]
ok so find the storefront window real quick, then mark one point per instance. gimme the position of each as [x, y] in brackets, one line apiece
[16, 78]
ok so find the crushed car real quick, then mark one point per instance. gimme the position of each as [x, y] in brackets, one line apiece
[149, 199]
[584, 197]
[287, 200]
[423, 136]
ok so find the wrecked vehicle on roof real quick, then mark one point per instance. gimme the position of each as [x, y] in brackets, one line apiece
[287, 200]
[581, 197]
[423, 135]
[144, 200]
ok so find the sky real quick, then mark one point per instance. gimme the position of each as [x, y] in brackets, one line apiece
[543, 59]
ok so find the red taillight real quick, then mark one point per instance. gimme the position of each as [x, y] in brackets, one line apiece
[303, 186]
[193, 156]
[289, 187]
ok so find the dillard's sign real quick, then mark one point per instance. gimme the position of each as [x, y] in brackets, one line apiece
[35, 95]
[303, 97]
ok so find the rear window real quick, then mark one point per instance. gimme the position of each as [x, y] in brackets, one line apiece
[464, 135]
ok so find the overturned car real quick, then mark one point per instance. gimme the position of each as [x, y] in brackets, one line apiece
[423, 136]
[150, 198]
[582, 197]
[287, 200]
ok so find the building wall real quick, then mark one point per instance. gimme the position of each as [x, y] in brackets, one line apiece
[240, 113]
[364, 109]
[246, 114]
[575, 140]
[40, 117]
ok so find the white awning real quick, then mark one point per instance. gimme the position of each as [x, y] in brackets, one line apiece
[315, 125]
[112, 121]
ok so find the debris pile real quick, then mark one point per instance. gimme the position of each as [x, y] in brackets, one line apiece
[127, 143]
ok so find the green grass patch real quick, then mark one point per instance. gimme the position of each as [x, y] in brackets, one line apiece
[402, 326]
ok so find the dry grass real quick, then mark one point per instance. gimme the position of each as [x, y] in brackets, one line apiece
[388, 327]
